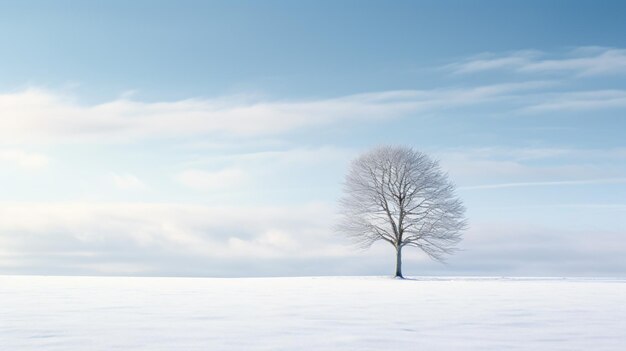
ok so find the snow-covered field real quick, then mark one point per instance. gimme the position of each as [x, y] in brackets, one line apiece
[325, 313]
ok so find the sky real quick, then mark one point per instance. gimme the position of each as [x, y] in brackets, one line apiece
[202, 138]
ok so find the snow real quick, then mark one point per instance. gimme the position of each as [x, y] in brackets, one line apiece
[319, 313]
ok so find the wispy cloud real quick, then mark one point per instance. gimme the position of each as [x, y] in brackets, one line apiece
[510, 163]
[278, 158]
[132, 234]
[520, 247]
[127, 181]
[549, 183]
[24, 159]
[148, 238]
[39, 115]
[502, 167]
[490, 62]
[586, 61]
[36, 115]
[578, 101]
[212, 180]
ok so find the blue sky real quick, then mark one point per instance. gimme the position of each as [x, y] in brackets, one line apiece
[211, 139]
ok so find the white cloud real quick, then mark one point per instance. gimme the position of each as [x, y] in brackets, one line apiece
[266, 244]
[520, 247]
[547, 183]
[127, 182]
[499, 163]
[215, 180]
[271, 176]
[313, 157]
[517, 167]
[87, 231]
[579, 101]
[606, 61]
[581, 62]
[24, 159]
[488, 62]
[149, 238]
[36, 115]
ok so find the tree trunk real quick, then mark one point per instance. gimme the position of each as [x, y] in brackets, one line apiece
[399, 262]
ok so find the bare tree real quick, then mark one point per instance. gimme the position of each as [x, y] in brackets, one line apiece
[401, 196]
